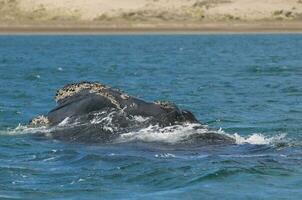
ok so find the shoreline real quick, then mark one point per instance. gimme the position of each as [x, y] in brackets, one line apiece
[274, 27]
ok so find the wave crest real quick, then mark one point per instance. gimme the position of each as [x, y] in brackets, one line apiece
[258, 138]
[24, 129]
[174, 134]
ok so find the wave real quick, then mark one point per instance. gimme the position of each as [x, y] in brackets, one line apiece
[24, 129]
[176, 134]
[153, 133]
[258, 138]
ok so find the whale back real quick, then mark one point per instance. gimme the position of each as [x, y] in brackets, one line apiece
[82, 98]
[91, 112]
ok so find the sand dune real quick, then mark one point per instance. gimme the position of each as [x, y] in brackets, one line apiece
[162, 10]
[146, 12]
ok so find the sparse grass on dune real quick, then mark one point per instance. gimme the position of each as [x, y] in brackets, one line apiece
[10, 11]
[150, 11]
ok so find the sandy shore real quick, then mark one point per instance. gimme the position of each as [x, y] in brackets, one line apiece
[154, 16]
[170, 28]
[157, 10]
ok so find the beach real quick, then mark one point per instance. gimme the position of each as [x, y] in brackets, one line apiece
[204, 28]
[154, 16]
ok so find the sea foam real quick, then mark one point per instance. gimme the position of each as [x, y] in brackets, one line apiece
[154, 133]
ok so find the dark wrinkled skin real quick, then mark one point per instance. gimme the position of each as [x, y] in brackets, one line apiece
[85, 102]
[84, 106]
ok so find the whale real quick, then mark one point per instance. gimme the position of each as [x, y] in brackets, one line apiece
[92, 112]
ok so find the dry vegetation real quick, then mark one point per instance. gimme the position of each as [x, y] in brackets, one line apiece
[10, 11]
[22, 11]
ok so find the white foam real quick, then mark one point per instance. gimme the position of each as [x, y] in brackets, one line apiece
[164, 155]
[139, 118]
[49, 159]
[252, 139]
[255, 138]
[64, 122]
[105, 121]
[170, 134]
[177, 133]
[22, 129]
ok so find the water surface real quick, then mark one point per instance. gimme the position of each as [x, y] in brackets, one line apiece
[247, 85]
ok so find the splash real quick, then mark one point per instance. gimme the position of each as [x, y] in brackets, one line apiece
[255, 138]
[178, 133]
[153, 133]
[105, 121]
[164, 155]
[258, 138]
[24, 129]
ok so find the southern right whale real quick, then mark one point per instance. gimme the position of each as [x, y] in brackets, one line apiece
[91, 112]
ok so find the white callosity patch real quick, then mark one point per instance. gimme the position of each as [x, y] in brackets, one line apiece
[72, 89]
[165, 104]
[97, 88]
[39, 120]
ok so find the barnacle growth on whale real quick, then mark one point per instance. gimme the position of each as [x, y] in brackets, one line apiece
[96, 113]
[39, 121]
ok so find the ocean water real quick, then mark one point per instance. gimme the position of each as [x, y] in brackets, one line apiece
[246, 86]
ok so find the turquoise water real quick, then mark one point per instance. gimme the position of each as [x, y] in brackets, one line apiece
[247, 85]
